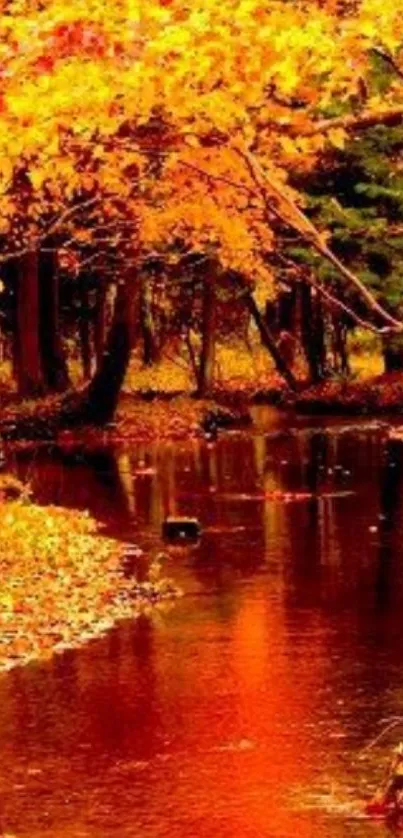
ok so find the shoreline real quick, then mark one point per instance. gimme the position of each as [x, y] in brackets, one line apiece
[147, 416]
[82, 590]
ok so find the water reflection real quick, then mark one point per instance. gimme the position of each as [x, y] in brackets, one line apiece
[244, 710]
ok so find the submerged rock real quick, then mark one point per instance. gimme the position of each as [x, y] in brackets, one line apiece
[181, 529]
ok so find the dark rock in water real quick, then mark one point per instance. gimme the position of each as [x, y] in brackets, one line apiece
[181, 529]
[210, 429]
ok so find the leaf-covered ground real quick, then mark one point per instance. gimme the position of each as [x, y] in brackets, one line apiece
[61, 582]
[382, 394]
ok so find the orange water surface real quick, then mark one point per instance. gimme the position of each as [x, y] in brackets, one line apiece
[242, 710]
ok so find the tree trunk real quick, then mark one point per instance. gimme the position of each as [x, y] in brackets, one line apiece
[96, 403]
[313, 333]
[150, 353]
[103, 391]
[269, 342]
[192, 354]
[28, 364]
[393, 360]
[84, 329]
[393, 354]
[340, 347]
[100, 326]
[84, 334]
[207, 356]
[52, 355]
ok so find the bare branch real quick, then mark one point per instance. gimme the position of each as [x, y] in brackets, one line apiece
[334, 301]
[67, 214]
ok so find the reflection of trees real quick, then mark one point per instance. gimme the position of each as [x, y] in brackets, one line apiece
[113, 484]
[233, 541]
[330, 556]
[167, 465]
[335, 569]
[388, 574]
[125, 477]
[92, 481]
[316, 457]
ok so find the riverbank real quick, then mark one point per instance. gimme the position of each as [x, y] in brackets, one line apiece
[138, 418]
[382, 394]
[62, 581]
[175, 413]
[146, 415]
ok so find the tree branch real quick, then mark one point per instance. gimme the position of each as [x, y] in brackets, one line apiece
[268, 338]
[334, 301]
[291, 215]
[389, 60]
[353, 122]
[217, 178]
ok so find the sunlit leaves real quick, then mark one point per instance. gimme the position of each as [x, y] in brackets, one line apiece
[61, 582]
[337, 137]
[76, 77]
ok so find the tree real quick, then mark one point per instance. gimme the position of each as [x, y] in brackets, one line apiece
[357, 192]
[51, 348]
[187, 122]
[28, 354]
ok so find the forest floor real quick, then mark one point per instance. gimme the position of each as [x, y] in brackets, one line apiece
[377, 395]
[157, 402]
[247, 376]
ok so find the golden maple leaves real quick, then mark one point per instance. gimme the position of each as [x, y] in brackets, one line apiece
[190, 61]
[221, 70]
[61, 582]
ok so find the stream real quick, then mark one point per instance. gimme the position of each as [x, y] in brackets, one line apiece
[246, 707]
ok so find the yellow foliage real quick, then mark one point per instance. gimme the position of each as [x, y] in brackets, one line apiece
[337, 137]
[79, 80]
[61, 582]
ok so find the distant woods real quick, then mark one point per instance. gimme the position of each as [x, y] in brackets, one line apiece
[181, 308]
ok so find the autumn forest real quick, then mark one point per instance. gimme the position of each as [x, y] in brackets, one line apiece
[201, 352]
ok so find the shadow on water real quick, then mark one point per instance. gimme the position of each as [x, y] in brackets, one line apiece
[244, 709]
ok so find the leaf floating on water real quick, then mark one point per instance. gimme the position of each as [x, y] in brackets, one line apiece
[342, 494]
[288, 497]
[241, 745]
[239, 496]
[228, 529]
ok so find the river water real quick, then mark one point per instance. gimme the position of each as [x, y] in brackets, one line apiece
[242, 710]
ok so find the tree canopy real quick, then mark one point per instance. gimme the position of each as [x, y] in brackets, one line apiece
[228, 96]
[161, 130]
